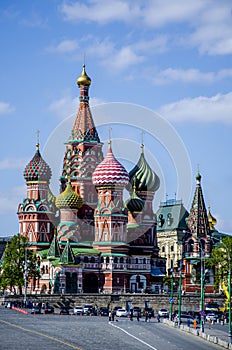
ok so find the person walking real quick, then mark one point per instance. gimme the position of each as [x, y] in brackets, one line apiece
[110, 315]
[146, 316]
[131, 315]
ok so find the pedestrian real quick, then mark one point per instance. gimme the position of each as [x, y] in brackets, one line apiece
[209, 323]
[110, 314]
[158, 318]
[137, 316]
[188, 322]
[131, 315]
[149, 317]
[146, 316]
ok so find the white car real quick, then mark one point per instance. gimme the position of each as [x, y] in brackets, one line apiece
[163, 313]
[78, 310]
[122, 313]
[211, 317]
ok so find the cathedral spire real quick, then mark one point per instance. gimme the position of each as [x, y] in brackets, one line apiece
[84, 129]
[197, 220]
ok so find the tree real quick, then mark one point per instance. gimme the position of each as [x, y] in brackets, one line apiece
[220, 260]
[13, 266]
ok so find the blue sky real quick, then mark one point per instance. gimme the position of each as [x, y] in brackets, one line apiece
[171, 57]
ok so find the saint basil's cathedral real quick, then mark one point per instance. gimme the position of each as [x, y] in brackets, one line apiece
[87, 239]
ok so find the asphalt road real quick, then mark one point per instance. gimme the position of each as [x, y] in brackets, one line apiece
[45, 332]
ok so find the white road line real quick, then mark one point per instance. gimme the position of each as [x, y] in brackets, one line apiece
[131, 335]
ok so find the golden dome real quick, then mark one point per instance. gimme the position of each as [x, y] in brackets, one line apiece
[211, 219]
[84, 79]
[68, 199]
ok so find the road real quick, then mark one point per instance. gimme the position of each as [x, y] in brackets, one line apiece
[37, 332]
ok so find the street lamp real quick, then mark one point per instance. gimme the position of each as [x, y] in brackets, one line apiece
[202, 302]
[171, 296]
[180, 294]
[229, 291]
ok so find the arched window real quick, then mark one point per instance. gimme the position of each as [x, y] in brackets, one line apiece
[136, 260]
[92, 260]
[115, 260]
[86, 259]
[172, 248]
[144, 261]
[121, 260]
[107, 260]
[163, 249]
[190, 245]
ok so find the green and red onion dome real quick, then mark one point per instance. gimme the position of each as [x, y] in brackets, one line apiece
[110, 172]
[37, 169]
[143, 177]
[68, 199]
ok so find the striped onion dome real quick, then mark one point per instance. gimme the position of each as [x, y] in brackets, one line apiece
[143, 177]
[68, 199]
[110, 172]
[37, 169]
[134, 204]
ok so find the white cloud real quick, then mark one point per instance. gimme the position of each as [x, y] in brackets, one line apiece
[170, 75]
[205, 24]
[6, 108]
[12, 163]
[125, 57]
[200, 109]
[103, 11]
[65, 46]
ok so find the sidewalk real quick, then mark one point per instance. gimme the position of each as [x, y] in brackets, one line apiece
[211, 334]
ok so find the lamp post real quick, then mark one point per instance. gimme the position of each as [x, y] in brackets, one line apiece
[202, 306]
[171, 297]
[25, 277]
[180, 294]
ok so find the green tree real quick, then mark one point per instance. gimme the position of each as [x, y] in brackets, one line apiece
[13, 265]
[219, 260]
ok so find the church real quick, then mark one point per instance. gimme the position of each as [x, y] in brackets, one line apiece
[87, 239]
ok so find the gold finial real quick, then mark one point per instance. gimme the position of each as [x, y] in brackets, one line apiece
[142, 141]
[37, 135]
[84, 79]
[109, 137]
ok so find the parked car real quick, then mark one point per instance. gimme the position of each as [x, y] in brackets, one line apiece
[163, 313]
[104, 311]
[122, 313]
[136, 311]
[49, 310]
[78, 310]
[64, 310]
[116, 308]
[148, 310]
[86, 308]
[36, 310]
[211, 317]
[91, 311]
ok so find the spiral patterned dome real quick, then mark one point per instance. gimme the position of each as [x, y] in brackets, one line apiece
[37, 169]
[110, 172]
[134, 204]
[84, 79]
[68, 199]
[143, 177]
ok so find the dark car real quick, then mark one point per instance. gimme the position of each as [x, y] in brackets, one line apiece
[103, 311]
[49, 310]
[136, 311]
[91, 311]
[64, 310]
[36, 310]
[149, 311]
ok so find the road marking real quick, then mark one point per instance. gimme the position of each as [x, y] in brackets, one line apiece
[41, 334]
[133, 336]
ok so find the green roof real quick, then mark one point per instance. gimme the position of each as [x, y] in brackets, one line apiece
[77, 251]
[171, 216]
[114, 254]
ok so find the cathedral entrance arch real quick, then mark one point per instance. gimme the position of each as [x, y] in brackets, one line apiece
[90, 283]
[138, 283]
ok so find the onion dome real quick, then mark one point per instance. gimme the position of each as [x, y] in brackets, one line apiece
[198, 177]
[212, 221]
[68, 199]
[134, 204]
[110, 172]
[144, 178]
[37, 169]
[84, 79]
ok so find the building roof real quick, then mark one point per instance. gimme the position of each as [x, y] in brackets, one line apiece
[171, 216]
